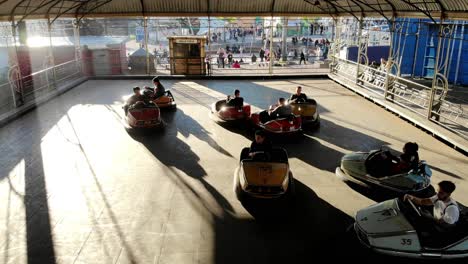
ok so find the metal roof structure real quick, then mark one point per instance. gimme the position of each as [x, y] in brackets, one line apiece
[435, 9]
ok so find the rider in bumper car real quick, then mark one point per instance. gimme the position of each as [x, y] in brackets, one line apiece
[261, 147]
[277, 111]
[136, 97]
[445, 213]
[159, 89]
[405, 162]
[298, 96]
[235, 100]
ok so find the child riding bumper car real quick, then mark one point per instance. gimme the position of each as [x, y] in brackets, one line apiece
[392, 228]
[222, 112]
[263, 174]
[143, 115]
[369, 168]
[307, 110]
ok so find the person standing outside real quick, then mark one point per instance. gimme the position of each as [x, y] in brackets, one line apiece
[262, 54]
[302, 58]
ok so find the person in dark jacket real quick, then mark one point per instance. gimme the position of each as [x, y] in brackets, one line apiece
[280, 109]
[260, 144]
[159, 89]
[262, 54]
[298, 96]
[407, 161]
[302, 58]
[136, 97]
[235, 100]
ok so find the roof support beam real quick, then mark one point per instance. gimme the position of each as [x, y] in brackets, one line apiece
[425, 12]
[333, 15]
[345, 10]
[85, 10]
[143, 11]
[443, 10]
[65, 11]
[272, 8]
[34, 9]
[381, 12]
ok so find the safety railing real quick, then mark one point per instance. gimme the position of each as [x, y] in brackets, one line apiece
[448, 111]
[19, 91]
[162, 66]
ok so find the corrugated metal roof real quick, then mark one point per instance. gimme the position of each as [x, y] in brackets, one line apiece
[24, 9]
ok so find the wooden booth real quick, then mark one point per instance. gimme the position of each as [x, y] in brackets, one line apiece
[187, 55]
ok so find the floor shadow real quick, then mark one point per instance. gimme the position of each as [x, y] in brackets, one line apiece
[39, 238]
[22, 141]
[301, 231]
[345, 137]
[373, 193]
[186, 125]
[448, 173]
[22, 145]
[312, 152]
[173, 152]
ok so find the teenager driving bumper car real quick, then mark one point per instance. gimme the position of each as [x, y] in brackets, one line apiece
[263, 171]
[381, 169]
[160, 96]
[231, 109]
[278, 119]
[141, 113]
[305, 107]
[399, 227]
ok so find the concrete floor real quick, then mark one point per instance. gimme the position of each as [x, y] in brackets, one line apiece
[77, 188]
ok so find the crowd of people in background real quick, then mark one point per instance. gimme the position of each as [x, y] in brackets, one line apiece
[235, 34]
[302, 49]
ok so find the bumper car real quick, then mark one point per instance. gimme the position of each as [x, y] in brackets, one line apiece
[392, 228]
[220, 112]
[265, 175]
[290, 124]
[307, 109]
[165, 101]
[143, 116]
[368, 168]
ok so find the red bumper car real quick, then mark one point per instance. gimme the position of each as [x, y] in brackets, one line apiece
[143, 116]
[290, 124]
[221, 112]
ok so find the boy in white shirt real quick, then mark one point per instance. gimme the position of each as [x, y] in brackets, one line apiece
[446, 212]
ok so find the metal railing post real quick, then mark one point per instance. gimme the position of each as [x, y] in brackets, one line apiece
[270, 65]
[436, 69]
[145, 27]
[358, 59]
[51, 53]
[390, 58]
[17, 87]
[76, 35]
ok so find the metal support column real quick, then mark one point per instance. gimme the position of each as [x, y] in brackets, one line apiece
[14, 72]
[359, 36]
[208, 54]
[51, 53]
[390, 57]
[76, 35]
[336, 40]
[270, 64]
[145, 27]
[450, 48]
[284, 45]
[436, 69]
[416, 47]
[460, 48]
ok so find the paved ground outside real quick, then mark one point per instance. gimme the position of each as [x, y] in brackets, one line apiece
[77, 188]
